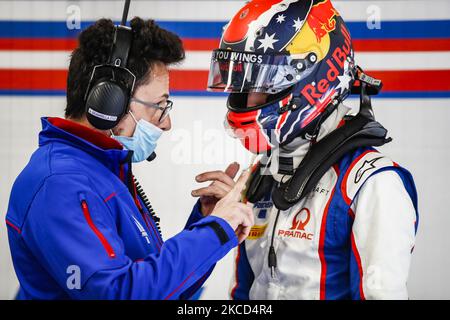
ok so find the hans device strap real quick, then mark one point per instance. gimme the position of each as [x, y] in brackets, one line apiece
[361, 131]
[111, 84]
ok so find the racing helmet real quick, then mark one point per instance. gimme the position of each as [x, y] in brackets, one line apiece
[297, 52]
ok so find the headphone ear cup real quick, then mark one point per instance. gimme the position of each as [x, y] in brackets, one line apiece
[106, 104]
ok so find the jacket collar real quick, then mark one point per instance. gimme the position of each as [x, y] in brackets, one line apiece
[105, 149]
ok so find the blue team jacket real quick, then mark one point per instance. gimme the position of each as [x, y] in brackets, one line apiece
[79, 230]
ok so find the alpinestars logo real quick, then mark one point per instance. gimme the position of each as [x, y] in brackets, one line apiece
[366, 166]
[297, 230]
[144, 233]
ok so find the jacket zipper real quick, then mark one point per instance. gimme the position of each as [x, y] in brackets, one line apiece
[101, 237]
[150, 214]
[131, 184]
[145, 216]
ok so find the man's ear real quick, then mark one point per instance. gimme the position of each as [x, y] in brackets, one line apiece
[119, 127]
[125, 127]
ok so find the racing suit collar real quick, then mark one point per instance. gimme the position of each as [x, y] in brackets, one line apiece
[105, 149]
[297, 149]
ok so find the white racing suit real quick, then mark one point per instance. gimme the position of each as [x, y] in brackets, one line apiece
[350, 238]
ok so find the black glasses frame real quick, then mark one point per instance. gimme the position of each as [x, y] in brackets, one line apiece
[165, 110]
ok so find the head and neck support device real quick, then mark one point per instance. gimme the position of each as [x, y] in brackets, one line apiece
[360, 131]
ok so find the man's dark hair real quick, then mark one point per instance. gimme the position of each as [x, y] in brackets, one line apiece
[151, 44]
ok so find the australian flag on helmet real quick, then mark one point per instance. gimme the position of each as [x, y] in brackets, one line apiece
[265, 26]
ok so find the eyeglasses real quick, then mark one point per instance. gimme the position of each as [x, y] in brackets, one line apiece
[165, 110]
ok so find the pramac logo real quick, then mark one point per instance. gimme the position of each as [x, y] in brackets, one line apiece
[297, 230]
[299, 224]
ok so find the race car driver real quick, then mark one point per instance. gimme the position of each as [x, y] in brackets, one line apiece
[79, 225]
[334, 217]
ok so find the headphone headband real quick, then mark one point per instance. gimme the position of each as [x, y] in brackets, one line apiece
[121, 46]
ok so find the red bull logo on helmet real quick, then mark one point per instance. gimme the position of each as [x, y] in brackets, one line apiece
[321, 19]
[313, 92]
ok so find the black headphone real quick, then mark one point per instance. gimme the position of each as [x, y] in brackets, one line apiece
[111, 84]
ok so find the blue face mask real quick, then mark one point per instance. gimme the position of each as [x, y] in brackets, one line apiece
[143, 141]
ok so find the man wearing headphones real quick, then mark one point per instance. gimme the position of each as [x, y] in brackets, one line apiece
[79, 224]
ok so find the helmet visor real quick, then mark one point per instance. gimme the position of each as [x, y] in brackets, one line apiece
[245, 72]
